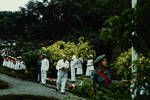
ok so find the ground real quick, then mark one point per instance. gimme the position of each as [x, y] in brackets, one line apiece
[18, 86]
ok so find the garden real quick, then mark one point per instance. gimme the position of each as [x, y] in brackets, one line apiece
[81, 28]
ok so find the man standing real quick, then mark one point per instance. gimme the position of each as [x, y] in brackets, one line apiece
[90, 66]
[80, 67]
[62, 74]
[44, 68]
[73, 65]
[38, 69]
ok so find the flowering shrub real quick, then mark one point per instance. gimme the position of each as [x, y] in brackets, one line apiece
[122, 64]
[59, 48]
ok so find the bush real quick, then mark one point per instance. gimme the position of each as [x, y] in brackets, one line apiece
[115, 91]
[122, 65]
[84, 88]
[79, 48]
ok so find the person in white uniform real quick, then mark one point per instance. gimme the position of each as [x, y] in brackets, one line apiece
[44, 68]
[73, 65]
[90, 66]
[4, 61]
[79, 68]
[62, 74]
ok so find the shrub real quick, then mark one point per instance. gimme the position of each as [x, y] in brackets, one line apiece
[80, 48]
[122, 65]
[115, 91]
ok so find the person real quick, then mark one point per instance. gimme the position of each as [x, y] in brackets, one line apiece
[73, 65]
[90, 66]
[38, 69]
[101, 75]
[4, 61]
[62, 74]
[79, 68]
[17, 65]
[44, 68]
[22, 65]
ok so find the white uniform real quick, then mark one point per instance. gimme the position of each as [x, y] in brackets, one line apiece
[79, 68]
[62, 75]
[22, 65]
[4, 62]
[73, 65]
[44, 69]
[90, 67]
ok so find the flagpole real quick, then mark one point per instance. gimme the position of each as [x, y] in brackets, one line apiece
[133, 59]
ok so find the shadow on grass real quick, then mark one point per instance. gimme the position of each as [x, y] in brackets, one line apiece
[3, 85]
[15, 73]
[26, 97]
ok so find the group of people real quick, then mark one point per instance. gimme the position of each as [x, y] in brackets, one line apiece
[76, 65]
[96, 69]
[100, 75]
[14, 63]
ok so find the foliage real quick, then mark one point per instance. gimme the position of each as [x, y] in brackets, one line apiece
[122, 64]
[79, 48]
[143, 75]
[59, 18]
[31, 58]
[86, 88]
[118, 29]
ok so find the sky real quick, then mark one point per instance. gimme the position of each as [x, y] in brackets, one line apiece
[12, 5]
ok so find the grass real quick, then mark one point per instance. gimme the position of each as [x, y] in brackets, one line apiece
[26, 97]
[3, 85]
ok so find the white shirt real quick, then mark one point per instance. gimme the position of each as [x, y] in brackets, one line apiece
[61, 64]
[90, 62]
[45, 64]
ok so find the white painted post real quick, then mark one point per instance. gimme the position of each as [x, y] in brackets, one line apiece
[134, 58]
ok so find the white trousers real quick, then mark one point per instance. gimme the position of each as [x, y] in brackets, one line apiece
[61, 80]
[89, 70]
[73, 75]
[43, 76]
